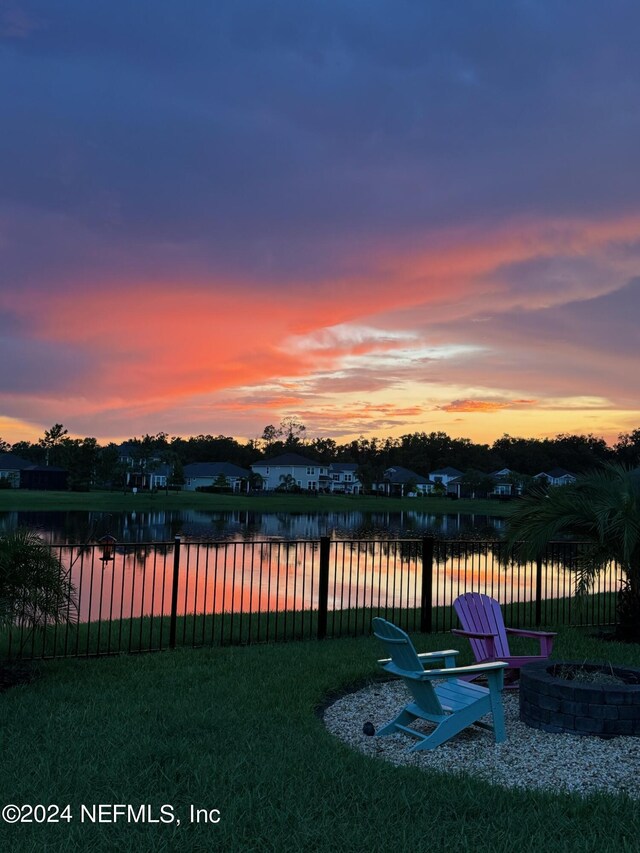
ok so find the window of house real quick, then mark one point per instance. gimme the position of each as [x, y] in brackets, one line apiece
[311, 470]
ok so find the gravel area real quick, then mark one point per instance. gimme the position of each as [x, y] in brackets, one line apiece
[528, 758]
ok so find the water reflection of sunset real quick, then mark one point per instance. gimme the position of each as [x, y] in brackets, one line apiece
[252, 580]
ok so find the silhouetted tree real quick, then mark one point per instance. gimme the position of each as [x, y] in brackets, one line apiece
[627, 449]
[51, 443]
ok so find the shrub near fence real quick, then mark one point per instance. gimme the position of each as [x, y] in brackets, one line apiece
[154, 596]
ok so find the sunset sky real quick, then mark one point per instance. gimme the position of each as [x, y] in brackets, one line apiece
[380, 217]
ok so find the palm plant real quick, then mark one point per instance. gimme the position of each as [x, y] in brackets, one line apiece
[35, 587]
[287, 484]
[602, 510]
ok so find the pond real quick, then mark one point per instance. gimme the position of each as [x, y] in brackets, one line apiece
[195, 525]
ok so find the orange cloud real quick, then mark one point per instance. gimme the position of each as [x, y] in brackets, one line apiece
[485, 405]
[175, 346]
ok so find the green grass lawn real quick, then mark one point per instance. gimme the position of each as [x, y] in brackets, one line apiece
[237, 729]
[18, 499]
[151, 633]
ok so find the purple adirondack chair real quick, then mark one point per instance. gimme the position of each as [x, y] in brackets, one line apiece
[482, 622]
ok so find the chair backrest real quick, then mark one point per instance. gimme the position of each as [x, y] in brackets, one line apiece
[405, 657]
[478, 612]
[399, 645]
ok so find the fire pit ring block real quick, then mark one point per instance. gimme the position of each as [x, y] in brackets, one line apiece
[561, 705]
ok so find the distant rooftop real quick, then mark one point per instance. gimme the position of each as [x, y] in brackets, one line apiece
[287, 459]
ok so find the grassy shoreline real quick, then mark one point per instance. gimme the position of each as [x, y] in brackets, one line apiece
[17, 499]
[151, 632]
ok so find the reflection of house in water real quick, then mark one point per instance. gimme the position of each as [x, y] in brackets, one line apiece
[9, 521]
[207, 526]
[295, 525]
[243, 525]
[148, 526]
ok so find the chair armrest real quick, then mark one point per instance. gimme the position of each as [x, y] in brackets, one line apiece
[520, 632]
[545, 638]
[428, 656]
[476, 635]
[435, 655]
[449, 672]
[457, 671]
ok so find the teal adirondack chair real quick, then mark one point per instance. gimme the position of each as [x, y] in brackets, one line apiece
[440, 695]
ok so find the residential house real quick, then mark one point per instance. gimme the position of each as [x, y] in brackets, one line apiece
[127, 455]
[444, 475]
[306, 474]
[343, 478]
[10, 468]
[199, 474]
[557, 477]
[159, 476]
[473, 484]
[44, 477]
[507, 483]
[143, 472]
[447, 479]
[401, 482]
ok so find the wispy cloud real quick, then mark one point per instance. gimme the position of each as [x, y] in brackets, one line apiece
[485, 405]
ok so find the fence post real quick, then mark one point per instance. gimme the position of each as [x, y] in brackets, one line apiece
[538, 590]
[174, 593]
[426, 597]
[323, 587]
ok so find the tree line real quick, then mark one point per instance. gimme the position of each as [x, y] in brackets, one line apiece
[91, 464]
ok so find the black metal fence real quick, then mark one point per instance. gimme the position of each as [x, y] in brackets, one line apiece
[154, 596]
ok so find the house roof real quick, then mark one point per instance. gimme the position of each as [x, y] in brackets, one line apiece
[556, 473]
[286, 460]
[447, 472]
[161, 470]
[344, 466]
[11, 462]
[560, 472]
[397, 474]
[214, 469]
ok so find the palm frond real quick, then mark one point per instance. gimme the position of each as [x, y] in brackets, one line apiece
[600, 510]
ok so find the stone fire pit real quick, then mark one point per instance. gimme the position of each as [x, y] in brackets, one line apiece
[580, 698]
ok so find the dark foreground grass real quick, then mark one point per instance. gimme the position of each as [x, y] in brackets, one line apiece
[237, 730]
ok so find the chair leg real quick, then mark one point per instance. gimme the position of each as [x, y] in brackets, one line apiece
[453, 725]
[404, 718]
[497, 711]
